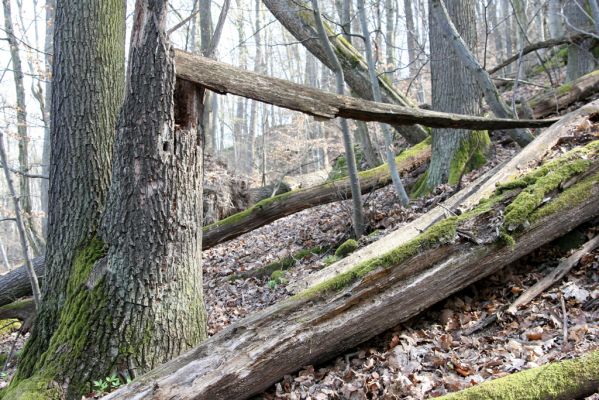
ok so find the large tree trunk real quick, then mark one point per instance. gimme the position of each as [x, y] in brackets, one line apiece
[454, 89]
[580, 58]
[134, 293]
[372, 297]
[88, 75]
[299, 22]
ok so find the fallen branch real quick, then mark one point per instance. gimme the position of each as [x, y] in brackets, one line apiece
[555, 276]
[223, 78]
[539, 45]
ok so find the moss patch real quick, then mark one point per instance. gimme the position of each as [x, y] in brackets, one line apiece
[35, 388]
[541, 182]
[8, 326]
[555, 380]
[347, 247]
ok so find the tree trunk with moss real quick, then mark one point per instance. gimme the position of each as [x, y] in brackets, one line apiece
[298, 18]
[378, 293]
[454, 89]
[133, 289]
[580, 57]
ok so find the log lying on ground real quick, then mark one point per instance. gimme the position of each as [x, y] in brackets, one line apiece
[465, 198]
[223, 78]
[269, 210]
[540, 45]
[325, 320]
[22, 310]
[553, 100]
[15, 284]
[565, 380]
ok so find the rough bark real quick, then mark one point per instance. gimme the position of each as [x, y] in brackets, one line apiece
[454, 89]
[134, 292]
[222, 78]
[580, 58]
[492, 96]
[297, 18]
[88, 75]
[564, 380]
[553, 100]
[323, 321]
[15, 284]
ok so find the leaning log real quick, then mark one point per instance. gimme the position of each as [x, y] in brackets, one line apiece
[553, 100]
[223, 78]
[274, 208]
[465, 198]
[375, 295]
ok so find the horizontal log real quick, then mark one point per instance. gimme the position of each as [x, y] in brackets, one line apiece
[253, 353]
[223, 78]
[15, 284]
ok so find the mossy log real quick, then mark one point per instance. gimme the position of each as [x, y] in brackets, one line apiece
[285, 204]
[564, 380]
[373, 296]
[223, 78]
[553, 100]
[465, 198]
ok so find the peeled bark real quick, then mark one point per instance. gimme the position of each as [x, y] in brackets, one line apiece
[299, 21]
[325, 320]
[222, 78]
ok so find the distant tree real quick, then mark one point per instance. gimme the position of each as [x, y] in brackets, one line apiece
[581, 60]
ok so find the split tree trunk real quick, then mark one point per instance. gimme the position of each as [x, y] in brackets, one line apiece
[297, 18]
[317, 324]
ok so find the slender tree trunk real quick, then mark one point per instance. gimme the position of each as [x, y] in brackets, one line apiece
[413, 58]
[48, 41]
[87, 87]
[555, 23]
[509, 45]
[23, 136]
[390, 38]
[376, 94]
[580, 59]
[134, 297]
[357, 209]
[454, 89]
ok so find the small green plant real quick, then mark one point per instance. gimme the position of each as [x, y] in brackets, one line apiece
[277, 278]
[347, 247]
[330, 259]
[107, 385]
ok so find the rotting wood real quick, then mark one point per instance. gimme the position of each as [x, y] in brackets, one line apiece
[253, 353]
[465, 198]
[554, 276]
[553, 100]
[223, 78]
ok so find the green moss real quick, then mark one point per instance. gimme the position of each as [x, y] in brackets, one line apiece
[331, 259]
[347, 247]
[339, 169]
[544, 179]
[9, 326]
[556, 380]
[277, 275]
[506, 238]
[407, 154]
[565, 88]
[35, 388]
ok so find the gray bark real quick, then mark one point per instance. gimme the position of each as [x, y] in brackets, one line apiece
[357, 208]
[580, 59]
[376, 94]
[555, 23]
[494, 100]
[300, 23]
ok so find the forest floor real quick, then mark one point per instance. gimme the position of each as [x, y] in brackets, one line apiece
[433, 353]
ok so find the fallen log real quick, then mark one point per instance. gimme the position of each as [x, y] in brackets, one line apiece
[15, 284]
[375, 295]
[540, 45]
[285, 204]
[564, 380]
[553, 100]
[223, 78]
[465, 198]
